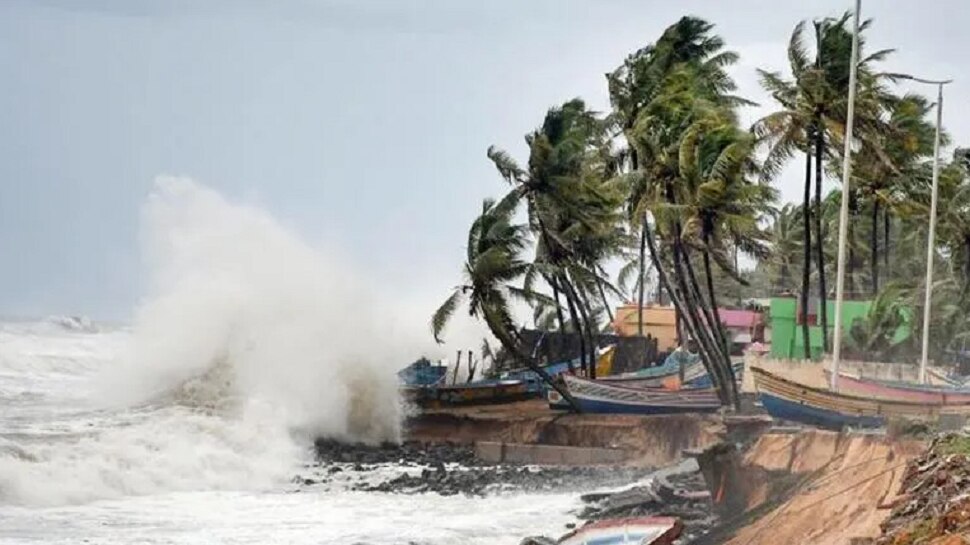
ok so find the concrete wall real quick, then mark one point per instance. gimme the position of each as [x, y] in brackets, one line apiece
[813, 373]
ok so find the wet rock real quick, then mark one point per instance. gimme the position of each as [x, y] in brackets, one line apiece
[537, 540]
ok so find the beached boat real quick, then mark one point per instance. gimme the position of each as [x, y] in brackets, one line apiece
[787, 400]
[594, 396]
[695, 376]
[902, 391]
[662, 376]
[604, 364]
[422, 373]
[534, 382]
[626, 531]
[473, 393]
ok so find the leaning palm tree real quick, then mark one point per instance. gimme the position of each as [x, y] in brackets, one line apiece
[722, 207]
[662, 129]
[573, 211]
[493, 262]
[638, 82]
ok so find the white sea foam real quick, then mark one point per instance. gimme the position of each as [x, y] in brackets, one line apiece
[249, 343]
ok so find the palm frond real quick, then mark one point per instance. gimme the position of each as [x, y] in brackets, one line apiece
[444, 313]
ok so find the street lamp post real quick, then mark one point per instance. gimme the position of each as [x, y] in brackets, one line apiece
[924, 359]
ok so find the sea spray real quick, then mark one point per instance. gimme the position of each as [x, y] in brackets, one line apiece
[238, 300]
[247, 345]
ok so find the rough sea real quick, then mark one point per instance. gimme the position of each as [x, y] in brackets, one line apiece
[191, 423]
[75, 471]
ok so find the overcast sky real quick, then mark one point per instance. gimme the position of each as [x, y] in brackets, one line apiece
[359, 124]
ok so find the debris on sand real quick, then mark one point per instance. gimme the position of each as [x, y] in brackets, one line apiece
[933, 507]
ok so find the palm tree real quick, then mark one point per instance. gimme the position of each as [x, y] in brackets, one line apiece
[812, 121]
[572, 209]
[904, 139]
[954, 215]
[637, 83]
[786, 132]
[493, 262]
[878, 336]
[721, 207]
[786, 236]
[674, 118]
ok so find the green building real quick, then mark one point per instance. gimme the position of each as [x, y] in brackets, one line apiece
[786, 333]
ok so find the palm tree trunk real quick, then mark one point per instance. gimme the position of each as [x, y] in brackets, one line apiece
[966, 278]
[710, 364]
[606, 302]
[511, 341]
[850, 269]
[471, 368]
[559, 315]
[585, 313]
[707, 305]
[678, 317]
[643, 268]
[454, 375]
[714, 307]
[712, 297]
[874, 247]
[806, 266]
[819, 238]
[885, 239]
[703, 330]
[574, 315]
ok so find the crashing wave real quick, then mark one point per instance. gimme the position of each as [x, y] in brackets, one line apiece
[78, 324]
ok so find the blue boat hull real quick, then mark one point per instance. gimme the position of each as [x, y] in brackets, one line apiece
[785, 409]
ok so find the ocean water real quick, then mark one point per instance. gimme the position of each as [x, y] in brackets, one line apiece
[73, 471]
[189, 424]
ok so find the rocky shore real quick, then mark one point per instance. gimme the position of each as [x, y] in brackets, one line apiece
[451, 469]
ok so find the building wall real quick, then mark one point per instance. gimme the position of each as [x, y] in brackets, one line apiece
[787, 341]
[658, 322]
[661, 323]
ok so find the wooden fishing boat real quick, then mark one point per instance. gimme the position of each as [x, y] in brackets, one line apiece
[626, 531]
[538, 386]
[902, 391]
[422, 373]
[473, 393]
[534, 382]
[695, 376]
[595, 396]
[670, 367]
[787, 400]
[663, 376]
